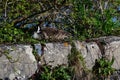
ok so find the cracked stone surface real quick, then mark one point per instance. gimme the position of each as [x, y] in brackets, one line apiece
[56, 53]
[91, 51]
[17, 61]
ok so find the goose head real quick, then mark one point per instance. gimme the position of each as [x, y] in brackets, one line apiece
[37, 34]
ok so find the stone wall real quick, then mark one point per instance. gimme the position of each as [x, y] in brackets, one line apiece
[56, 53]
[18, 61]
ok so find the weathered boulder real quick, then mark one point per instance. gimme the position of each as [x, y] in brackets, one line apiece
[54, 53]
[91, 50]
[17, 62]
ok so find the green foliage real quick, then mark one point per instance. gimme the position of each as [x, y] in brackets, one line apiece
[19, 8]
[46, 74]
[76, 61]
[75, 57]
[62, 73]
[9, 34]
[92, 19]
[13, 11]
[20, 13]
[103, 67]
[56, 73]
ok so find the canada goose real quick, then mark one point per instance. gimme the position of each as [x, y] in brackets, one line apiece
[50, 34]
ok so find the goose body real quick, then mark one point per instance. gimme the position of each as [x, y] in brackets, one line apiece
[50, 34]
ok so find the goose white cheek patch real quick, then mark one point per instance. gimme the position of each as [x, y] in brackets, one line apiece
[38, 30]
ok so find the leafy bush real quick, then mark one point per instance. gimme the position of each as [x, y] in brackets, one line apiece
[48, 73]
[92, 18]
[103, 68]
[62, 73]
[9, 34]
